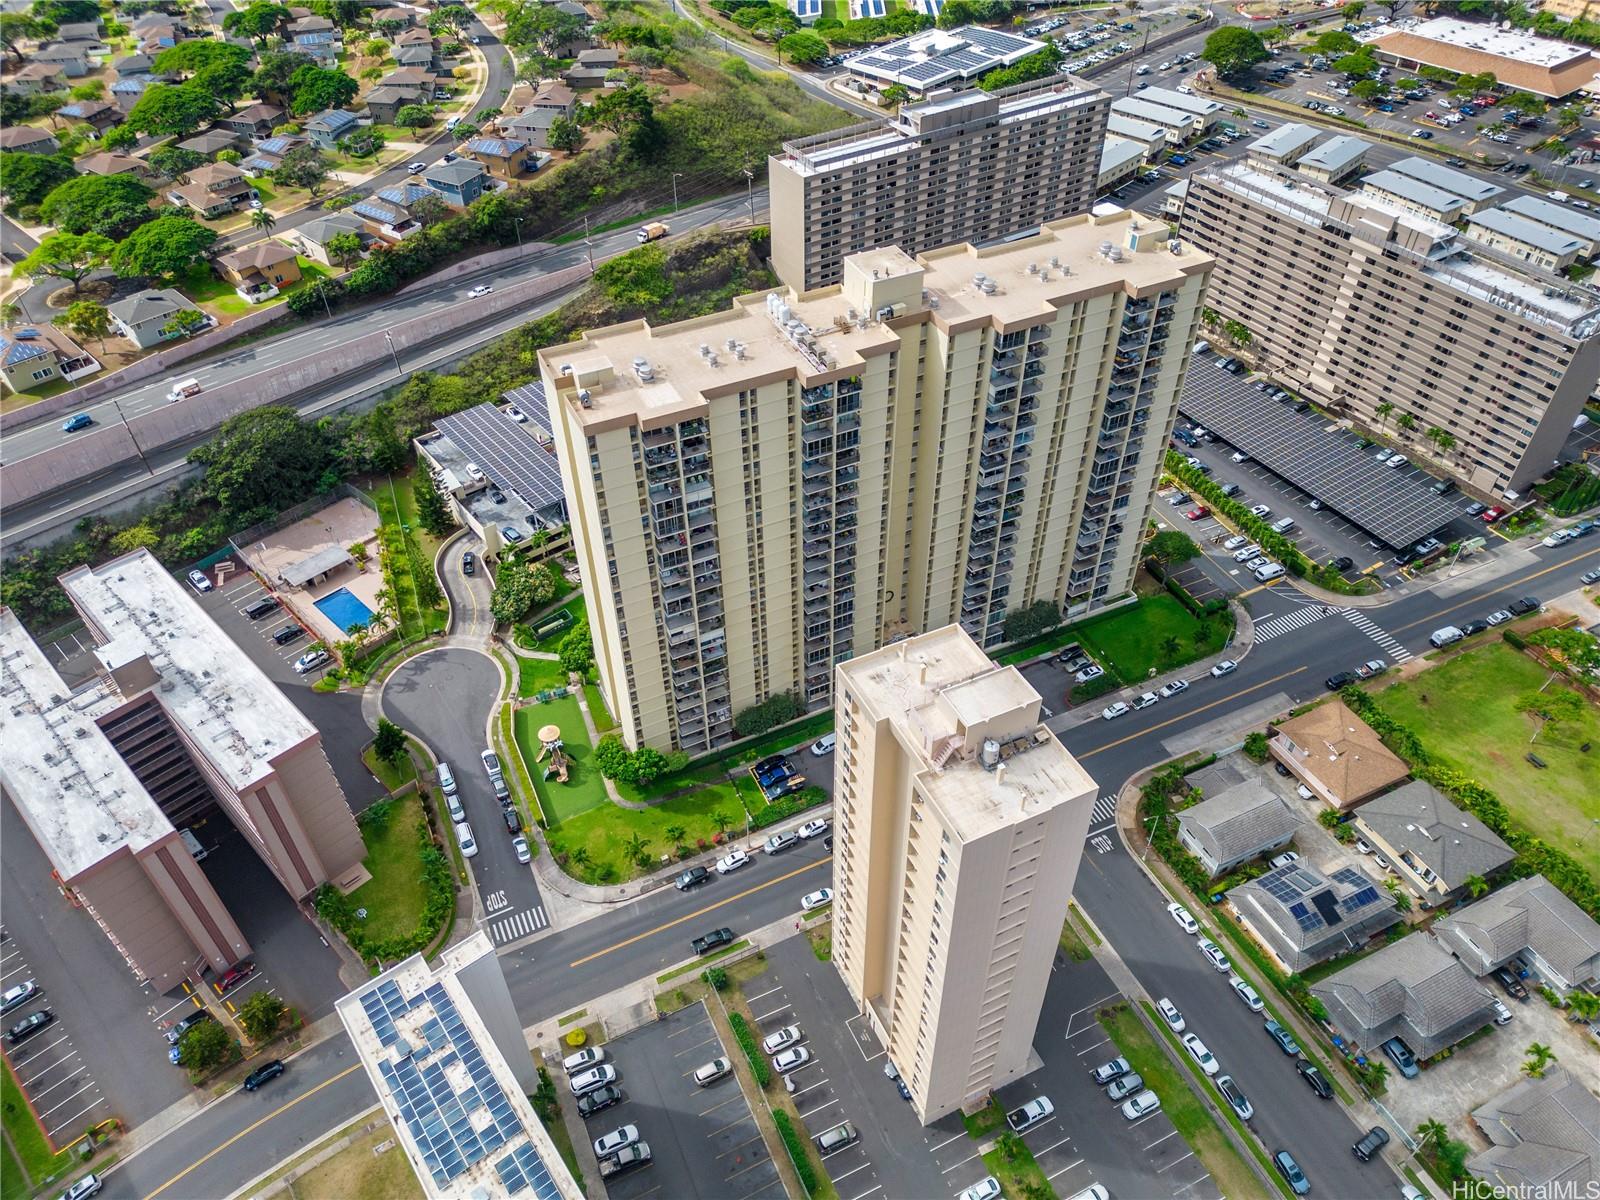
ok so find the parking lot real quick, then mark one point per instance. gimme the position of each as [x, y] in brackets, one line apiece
[65, 1095]
[704, 1142]
[238, 592]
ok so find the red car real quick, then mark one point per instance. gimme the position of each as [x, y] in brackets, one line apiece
[1194, 514]
[235, 976]
[1493, 515]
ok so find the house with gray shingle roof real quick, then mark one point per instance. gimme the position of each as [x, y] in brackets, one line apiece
[326, 128]
[1530, 918]
[1545, 1136]
[1434, 846]
[1235, 825]
[69, 57]
[27, 139]
[315, 234]
[1305, 917]
[1414, 990]
[141, 317]
[100, 115]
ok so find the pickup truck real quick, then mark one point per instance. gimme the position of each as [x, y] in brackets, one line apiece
[626, 1159]
[714, 940]
[653, 231]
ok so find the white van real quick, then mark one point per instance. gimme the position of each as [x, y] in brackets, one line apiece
[452, 122]
[1269, 572]
[447, 780]
[1202, 347]
[453, 803]
[469, 848]
[1445, 636]
[823, 746]
[183, 389]
[1283, 526]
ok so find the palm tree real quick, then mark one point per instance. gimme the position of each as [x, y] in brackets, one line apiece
[1445, 441]
[1170, 647]
[579, 857]
[1377, 1074]
[675, 835]
[1405, 421]
[1583, 1006]
[722, 821]
[263, 220]
[1476, 885]
[1210, 316]
[1431, 1130]
[9, 312]
[1382, 412]
[636, 846]
[1540, 1057]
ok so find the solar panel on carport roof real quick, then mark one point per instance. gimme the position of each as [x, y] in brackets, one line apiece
[1299, 448]
[507, 452]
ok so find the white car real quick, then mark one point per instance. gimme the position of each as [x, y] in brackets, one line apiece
[1288, 856]
[1235, 542]
[779, 842]
[199, 582]
[1092, 671]
[1498, 617]
[732, 862]
[1112, 711]
[519, 847]
[1303, 792]
[1398, 460]
[1144, 1103]
[1197, 1050]
[781, 1040]
[572, 1064]
[1146, 700]
[1556, 538]
[1170, 1014]
[416, 168]
[1215, 956]
[1173, 688]
[611, 1142]
[475, 472]
[1184, 918]
[310, 661]
[483, 289]
[712, 1071]
[1247, 553]
[812, 829]
[812, 901]
[791, 1060]
[1226, 667]
[987, 1188]
[1502, 1014]
[1252, 998]
[516, 414]
[1261, 510]
[1256, 563]
[1239, 456]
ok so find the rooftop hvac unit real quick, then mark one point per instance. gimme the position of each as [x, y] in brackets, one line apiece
[1174, 246]
[1115, 254]
[585, 399]
[990, 755]
[566, 368]
[739, 351]
[1055, 261]
[933, 302]
[711, 359]
[1033, 268]
[647, 373]
[978, 279]
[730, 343]
[987, 287]
[705, 349]
[850, 313]
[1105, 249]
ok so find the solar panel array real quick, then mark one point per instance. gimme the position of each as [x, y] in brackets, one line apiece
[452, 1130]
[1311, 902]
[509, 453]
[907, 58]
[1298, 447]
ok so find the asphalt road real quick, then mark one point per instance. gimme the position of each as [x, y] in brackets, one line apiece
[444, 697]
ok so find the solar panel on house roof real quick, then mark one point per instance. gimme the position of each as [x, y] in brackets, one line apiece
[509, 453]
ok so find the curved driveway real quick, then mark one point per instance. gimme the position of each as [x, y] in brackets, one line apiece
[444, 697]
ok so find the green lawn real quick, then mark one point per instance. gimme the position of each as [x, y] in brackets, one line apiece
[536, 675]
[603, 832]
[1134, 640]
[552, 644]
[395, 895]
[1013, 1166]
[584, 788]
[397, 506]
[393, 776]
[33, 1149]
[1464, 711]
[597, 708]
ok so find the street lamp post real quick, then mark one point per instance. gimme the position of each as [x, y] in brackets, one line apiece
[136, 449]
[675, 176]
[389, 337]
[519, 233]
[750, 192]
[588, 246]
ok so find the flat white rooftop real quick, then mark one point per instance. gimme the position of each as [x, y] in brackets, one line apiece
[1490, 39]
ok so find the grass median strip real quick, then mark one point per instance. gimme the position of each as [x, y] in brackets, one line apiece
[703, 961]
[799, 1153]
[746, 1038]
[571, 1017]
[1014, 1168]
[1187, 1112]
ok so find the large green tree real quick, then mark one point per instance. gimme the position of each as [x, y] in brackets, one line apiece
[108, 204]
[16, 26]
[168, 110]
[69, 256]
[261, 462]
[65, 12]
[303, 167]
[274, 70]
[226, 81]
[315, 89]
[258, 20]
[188, 57]
[164, 248]
[542, 27]
[1233, 51]
[28, 178]
[805, 47]
[88, 319]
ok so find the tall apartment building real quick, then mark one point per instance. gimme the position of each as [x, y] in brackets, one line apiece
[971, 167]
[760, 494]
[1360, 303]
[959, 822]
[177, 724]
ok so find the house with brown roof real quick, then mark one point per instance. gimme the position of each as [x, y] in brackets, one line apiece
[399, 16]
[27, 139]
[1336, 755]
[109, 162]
[557, 97]
[504, 158]
[99, 115]
[1520, 61]
[259, 272]
[416, 77]
[255, 121]
[413, 37]
[37, 77]
[212, 190]
[211, 141]
[417, 54]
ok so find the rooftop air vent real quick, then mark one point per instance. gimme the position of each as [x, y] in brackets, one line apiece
[566, 368]
[585, 399]
[1055, 260]
[1105, 249]
[1033, 268]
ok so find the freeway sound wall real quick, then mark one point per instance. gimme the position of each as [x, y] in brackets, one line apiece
[84, 456]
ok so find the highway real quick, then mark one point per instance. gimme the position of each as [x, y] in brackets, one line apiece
[243, 1135]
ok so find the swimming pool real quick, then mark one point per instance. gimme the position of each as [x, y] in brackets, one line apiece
[345, 610]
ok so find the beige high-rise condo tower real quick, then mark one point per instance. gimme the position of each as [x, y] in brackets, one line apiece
[761, 494]
[973, 167]
[959, 822]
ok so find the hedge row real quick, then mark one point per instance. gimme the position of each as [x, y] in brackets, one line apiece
[798, 1155]
[1534, 857]
[752, 1051]
[1257, 529]
[789, 806]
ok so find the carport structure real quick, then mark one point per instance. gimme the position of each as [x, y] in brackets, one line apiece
[1325, 463]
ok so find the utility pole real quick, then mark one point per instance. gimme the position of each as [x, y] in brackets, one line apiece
[588, 246]
[750, 192]
[675, 176]
[389, 337]
[1128, 90]
[519, 233]
[118, 406]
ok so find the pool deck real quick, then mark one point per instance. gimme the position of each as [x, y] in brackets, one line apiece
[342, 523]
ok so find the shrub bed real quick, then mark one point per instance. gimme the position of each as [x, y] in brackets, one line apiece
[752, 1051]
[788, 806]
[798, 1154]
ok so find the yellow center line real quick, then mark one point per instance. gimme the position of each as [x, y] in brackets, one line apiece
[1228, 699]
[1560, 566]
[251, 1128]
[700, 912]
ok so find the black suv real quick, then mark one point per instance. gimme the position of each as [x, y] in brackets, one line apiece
[288, 634]
[513, 820]
[596, 1100]
[1371, 1144]
[691, 877]
[1521, 608]
[262, 607]
[469, 565]
[1342, 679]
[265, 1073]
[29, 1025]
[1342, 563]
[1314, 1078]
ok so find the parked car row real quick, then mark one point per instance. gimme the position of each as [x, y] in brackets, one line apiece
[1450, 634]
[593, 1081]
[508, 809]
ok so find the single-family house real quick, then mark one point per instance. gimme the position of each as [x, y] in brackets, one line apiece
[384, 103]
[393, 16]
[459, 183]
[435, 85]
[531, 125]
[406, 193]
[504, 158]
[80, 31]
[269, 152]
[317, 37]
[580, 40]
[1544, 1137]
[1304, 917]
[27, 139]
[163, 36]
[326, 128]
[212, 189]
[386, 221]
[99, 115]
[1531, 920]
[253, 121]
[315, 235]
[34, 356]
[412, 37]
[36, 77]
[125, 93]
[259, 272]
[145, 22]
[72, 60]
[1337, 755]
[142, 317]
[110, 162]
[1432, 845]
[1414, 990]
[556, 97]
[1238, 823]
[211, 142]
[421, 55]
[134, 66]
[591, 67]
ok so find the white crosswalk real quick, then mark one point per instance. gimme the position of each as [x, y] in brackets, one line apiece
[1373, 630]
[1104, 809]
[518, 925]
[1289, 622]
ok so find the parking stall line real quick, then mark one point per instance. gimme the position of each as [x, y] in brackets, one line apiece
[740, 1146]
[37, 1051]
[1074, 1163]
[1047, 1149]
[1160, 1139]
[954, 1137]
[696, 1046]
[35, 1096]
[70, 1056]
[1192, 1182]
[820, 1107]
[962, 1163]
[737, 1096]
[1095, 1046]
[760, 1162]
[1144, 1118]
[67, 1121]
[88, 1087]
[840, 1178]
[774, 1012]
[764, 995]
[688, 1029]
[812, 1088]
[1174, 1163]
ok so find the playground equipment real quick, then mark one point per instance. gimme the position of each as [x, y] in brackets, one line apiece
[550, 744]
